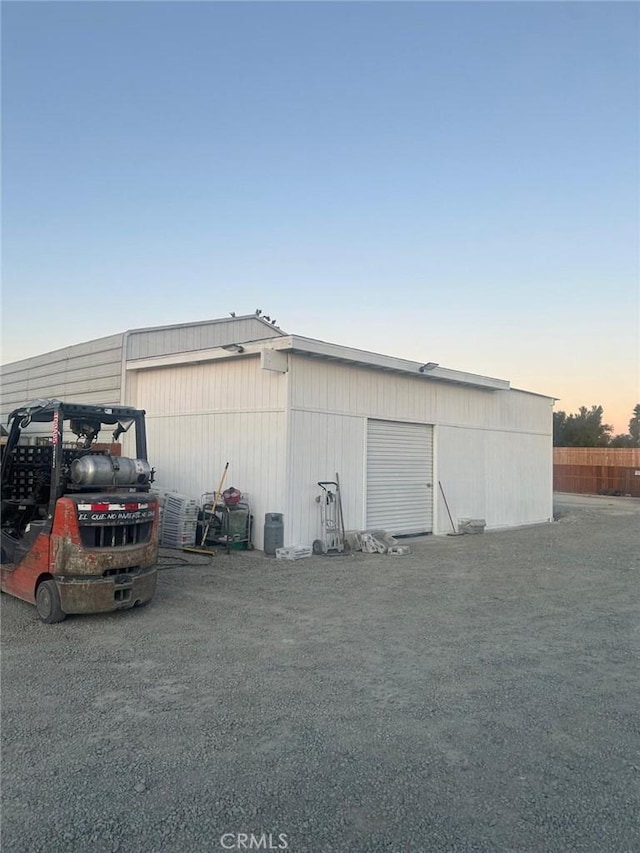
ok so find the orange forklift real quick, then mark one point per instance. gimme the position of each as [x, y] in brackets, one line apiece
[79, 523]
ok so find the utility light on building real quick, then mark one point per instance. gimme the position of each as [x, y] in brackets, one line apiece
[430, 365]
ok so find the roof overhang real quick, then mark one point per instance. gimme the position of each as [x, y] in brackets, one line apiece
[363, 358]
[331, 352]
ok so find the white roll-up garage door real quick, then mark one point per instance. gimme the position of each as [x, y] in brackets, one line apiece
[399, 477]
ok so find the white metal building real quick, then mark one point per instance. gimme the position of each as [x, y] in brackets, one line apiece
[287, 411]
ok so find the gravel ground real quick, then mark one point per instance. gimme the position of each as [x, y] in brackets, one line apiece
[479, 695]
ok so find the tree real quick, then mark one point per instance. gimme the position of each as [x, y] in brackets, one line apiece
[621, 440]
[583, 429]
[634, 426]
[559, 429]
[633, 438]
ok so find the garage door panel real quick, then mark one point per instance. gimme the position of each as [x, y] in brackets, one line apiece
[400, 477]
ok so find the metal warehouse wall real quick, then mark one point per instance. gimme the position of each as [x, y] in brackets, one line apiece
[502, 476]
[321, 444]
[84, 373]
[146, 343]
[91, 372]
[493, 450]
[201, 416]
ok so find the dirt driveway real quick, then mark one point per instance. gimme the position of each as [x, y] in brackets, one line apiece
[479, 695]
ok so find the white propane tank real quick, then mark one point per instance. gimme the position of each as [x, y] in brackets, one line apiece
[94, 470]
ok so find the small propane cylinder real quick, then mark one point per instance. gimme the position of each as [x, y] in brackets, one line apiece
[94, 470]
[273, 532]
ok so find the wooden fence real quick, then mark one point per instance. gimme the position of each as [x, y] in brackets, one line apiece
[597, 470]
[618, 457]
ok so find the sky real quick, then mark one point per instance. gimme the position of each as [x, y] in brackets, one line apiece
[451, 182]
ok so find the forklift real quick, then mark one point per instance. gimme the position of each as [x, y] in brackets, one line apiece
[79, 528]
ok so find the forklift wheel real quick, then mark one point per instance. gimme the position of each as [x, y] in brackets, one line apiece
[48, 603]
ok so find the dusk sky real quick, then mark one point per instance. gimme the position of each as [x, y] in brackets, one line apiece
[450, 182]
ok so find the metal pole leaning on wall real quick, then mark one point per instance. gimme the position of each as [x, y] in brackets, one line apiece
[444, 497]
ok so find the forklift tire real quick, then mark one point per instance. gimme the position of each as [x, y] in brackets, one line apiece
[48, 603]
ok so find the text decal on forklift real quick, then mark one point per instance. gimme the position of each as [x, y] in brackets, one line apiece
[124, 512]
[55, 437]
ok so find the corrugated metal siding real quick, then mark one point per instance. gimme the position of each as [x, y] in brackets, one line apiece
[331, 386]
[192, 463]
[399, 477]
[232, 385]
[146, 343]
[461, 473]
[84, 373]
[503, 477]
[319, 446]
[493, 450]
[201, 416]
[519, 479]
